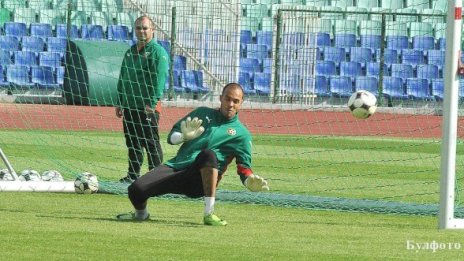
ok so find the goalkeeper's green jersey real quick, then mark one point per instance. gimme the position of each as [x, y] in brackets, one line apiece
[229, 139]
[143, 76]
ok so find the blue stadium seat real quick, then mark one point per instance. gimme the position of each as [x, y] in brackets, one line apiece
[180, 62]
[19, 76]
[371, 41]
[52, 59]
[176, 85]
[5, 57]
[246, 37]
[441, 43]
[117, 32]
[351, 69]
[27, 58]
[341, 86]
[166, 45]
[323, 39]
[15, 29]
[32, 43]
[257, 51]
[368, 83]
[393, 87]
[397, 42]
[3, 82]
[390, 56]
[361, 55]
[373, 69]
[9, 43]
[60, 71]
[326, 68]
[249, 65]
[192, 81]
[267, 65]
[402, 71]
[290, 84]
[412, 57]
[345, 41]
[264, 37]
[461, 89]
[41, 30]
[318, 83]
[56, 44]
[92, 32]
[293, 38]
[335, 54]
[44, 77]
[438, 89]
[262, 83]
[427, 71]
[436, 57]
[418, 89]
[245, 81]
[62, 31]
[423, 42]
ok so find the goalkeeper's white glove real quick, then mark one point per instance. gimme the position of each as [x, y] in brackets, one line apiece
[191, 128]
[255, 183]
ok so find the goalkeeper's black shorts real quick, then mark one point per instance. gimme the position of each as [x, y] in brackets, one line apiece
[166, 180]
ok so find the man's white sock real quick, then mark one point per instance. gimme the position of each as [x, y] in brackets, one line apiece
[209, 205]
[141, 214]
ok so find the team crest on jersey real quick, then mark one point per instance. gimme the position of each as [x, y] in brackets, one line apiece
[231, 132]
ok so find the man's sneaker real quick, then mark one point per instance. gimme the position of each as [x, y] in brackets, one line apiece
[127, 179]
[130, 216]
[213, 220]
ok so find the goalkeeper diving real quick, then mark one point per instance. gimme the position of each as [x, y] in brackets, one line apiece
[211, 139]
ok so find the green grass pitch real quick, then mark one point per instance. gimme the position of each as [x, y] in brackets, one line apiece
[53, 226]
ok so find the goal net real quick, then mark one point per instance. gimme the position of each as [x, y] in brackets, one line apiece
[307, 144]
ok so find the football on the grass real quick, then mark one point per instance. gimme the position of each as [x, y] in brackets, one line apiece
[362, 104]
[86, 183]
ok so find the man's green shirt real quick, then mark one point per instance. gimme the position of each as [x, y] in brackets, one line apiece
[227, 138]
[143, 76]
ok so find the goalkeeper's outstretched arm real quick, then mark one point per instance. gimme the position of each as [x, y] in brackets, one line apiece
[251, 181]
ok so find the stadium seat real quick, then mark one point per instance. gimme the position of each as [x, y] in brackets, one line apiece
[262, 83]
[351, 69]
[323, 39]
[368, 83]
[19, 76]
[390, 56]
[441, 43]
[397, 42]
[118, 33]
[51, 59]
[79, 18]
[393, 88]
[361, 55]
[326, 68]
[402, 71]
[192, 82]
[180, 62]
[257, 51]
[265, 37]
[373, 69]
[62, 31]
[3, 82]
[345, 41]
[41, 30]
[423, 42]
[439, 30]
[27, 58]
[396, 28]
[245, 81]
[246, 37]
[373, 42]
[427, 71]
[293, 38]
[32, 43]
[412, 56]
[335, 54]
[340, 86]
[56, 44]
[92, 32]
[15, 29]
[438, 89]
[177, 86]
[289, 85]
[127, 19]
[249, 65]
[166, 45]
[436, 57]
[418, 89]
[267, 65]
[318, 85]
[44, 77]
[5, 57]
[9, 43]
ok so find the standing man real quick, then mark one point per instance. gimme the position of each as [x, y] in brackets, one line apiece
[211, 139]
[140, 88]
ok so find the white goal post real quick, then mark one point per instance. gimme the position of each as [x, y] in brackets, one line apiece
[446, 215]
[32, 186]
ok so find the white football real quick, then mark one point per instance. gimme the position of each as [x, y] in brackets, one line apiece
[29, 175]
[362, 104]
[52, 175]
[86, 183]
[5, 175]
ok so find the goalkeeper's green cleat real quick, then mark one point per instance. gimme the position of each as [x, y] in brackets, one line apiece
[130, 216]
[213, 220]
